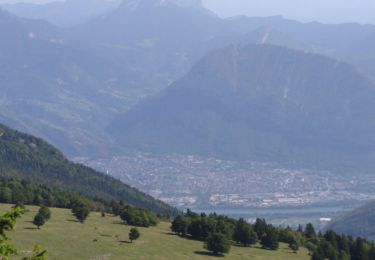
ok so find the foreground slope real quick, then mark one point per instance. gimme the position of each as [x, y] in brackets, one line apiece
[260, 102]
[26, 157]
[107, 238]
[359, 222]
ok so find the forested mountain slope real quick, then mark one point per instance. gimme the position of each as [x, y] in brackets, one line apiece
[359, 222]
[26, 157]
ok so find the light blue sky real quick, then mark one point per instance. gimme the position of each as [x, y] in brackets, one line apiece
[331, 11]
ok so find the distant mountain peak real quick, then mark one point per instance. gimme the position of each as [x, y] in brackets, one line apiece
[184, 3]
[4, 13]
[134, 5]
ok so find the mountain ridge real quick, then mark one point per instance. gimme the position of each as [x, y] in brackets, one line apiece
[126, 57]
[211, 110]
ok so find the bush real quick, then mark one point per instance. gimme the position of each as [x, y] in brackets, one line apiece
[217, 243]
[138, 217]
[45, 212]
[81, 213]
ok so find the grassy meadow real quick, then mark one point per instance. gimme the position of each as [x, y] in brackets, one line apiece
[102, 238]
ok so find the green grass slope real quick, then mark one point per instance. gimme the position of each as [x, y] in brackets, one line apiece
[359, 222]
[107, 238]
[26, 157]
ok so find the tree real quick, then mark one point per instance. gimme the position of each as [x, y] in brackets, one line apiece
[45, 212]
[134, 234]
[180, 225]
[5, 195]
[270, 240]
[81, 213]
[195, 229]
[260, 227]
[217, 243]
[310, 231]
[331, 237]
[244, 233]
[294, 245]
[345, 256]
[317, 256]
[7, 222]
[39, 220]
[343, 244]
[311, 247]
[328, 250]
[225, 226]
[358, 251]
[371, 254]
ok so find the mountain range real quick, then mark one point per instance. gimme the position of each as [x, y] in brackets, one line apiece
[77, 87]
[259, 102]
[49, 88]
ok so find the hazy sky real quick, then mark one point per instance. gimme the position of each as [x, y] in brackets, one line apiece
[329, 11]
[332, 11]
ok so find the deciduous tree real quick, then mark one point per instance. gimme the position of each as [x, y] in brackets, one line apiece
[134, 234]
[217, 243]
[39, 220]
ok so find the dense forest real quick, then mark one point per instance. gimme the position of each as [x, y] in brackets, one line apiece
[21, 192]
[220, 232]
[28, 158]
[359, 222]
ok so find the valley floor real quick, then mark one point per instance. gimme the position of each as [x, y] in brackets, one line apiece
[102, 238]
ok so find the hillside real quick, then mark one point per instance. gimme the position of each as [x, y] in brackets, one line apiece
[26, 157]
[141, 36]
[260, 102]
[106, 238]
[52, 90]
[359, 222]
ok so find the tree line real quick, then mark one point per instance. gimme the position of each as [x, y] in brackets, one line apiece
[15, 191]
[334, 246]
[220, 232]
[22, 192]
